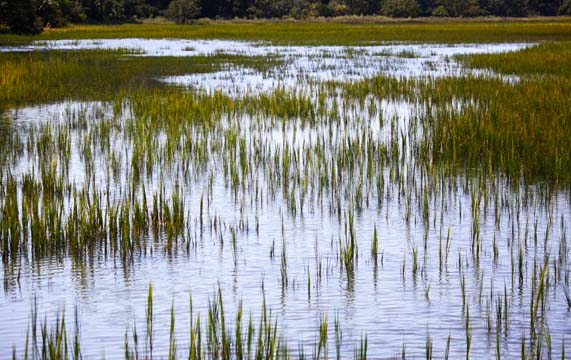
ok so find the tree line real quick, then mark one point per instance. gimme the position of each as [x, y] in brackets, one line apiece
[31, 16]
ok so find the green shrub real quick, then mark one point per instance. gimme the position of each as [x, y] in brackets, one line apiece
[440, 11]
[401, 8]
[183, 11]
[21, 18]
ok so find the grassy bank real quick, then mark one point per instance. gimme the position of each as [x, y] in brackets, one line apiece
[325, 33]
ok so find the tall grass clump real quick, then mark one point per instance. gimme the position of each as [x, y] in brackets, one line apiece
[544, 59]
[42, 76]
[519, 129]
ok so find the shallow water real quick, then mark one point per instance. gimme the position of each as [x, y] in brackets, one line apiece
[387, 301]
[302, 65]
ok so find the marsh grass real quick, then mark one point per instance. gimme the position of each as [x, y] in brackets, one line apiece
[323, 33]
[45, 76]
[544, 59]
[517, 128]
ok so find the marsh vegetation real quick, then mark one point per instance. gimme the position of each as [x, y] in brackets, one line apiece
[374, 211]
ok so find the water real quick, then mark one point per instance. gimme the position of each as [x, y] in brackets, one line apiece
[385, 301]
[302, 64]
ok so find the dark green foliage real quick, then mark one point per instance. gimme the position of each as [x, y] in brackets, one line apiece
[514, 8]
[543, 7]
[455, 8]
[183, 11]
[59, 13]
[21, 16]
[459, 8]
[116, 10]
[401, 8]
[52, 13]
[440, 11]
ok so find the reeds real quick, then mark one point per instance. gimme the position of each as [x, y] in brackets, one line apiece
[214, 340]
[54, 75]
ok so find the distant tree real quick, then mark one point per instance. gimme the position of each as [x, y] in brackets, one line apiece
[211, 8]
[263, 9]
[519, 8]
[299, 9]
[320, 8]
[513, 8]
[460, 8]
[3, 10]
[565, 8]
[473, 9]
[182, 11]
[158, 5]
[102, 10]
[544, 7]
[440, 11]
[73, 10]
[400, 8]
[137, 9]
[239, 8]
[358, 7]
[21, 16]
[455, 8]
[427, 6]
[30, 16]
[277, 9]
[53, 12]
[339, 8]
